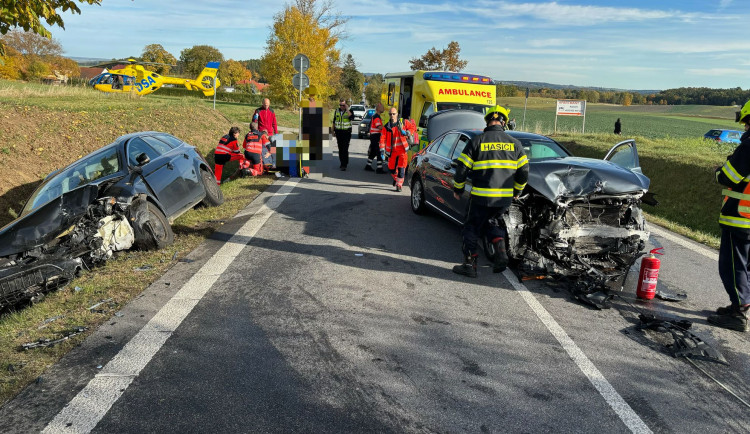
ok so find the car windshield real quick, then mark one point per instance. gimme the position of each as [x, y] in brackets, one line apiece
[81, 173]
[461, 106]
[541, 149]
[358, 108]
[714, 133]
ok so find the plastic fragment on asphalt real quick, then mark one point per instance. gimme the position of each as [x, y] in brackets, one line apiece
[670, 296]
[686, 344]
[359, 254]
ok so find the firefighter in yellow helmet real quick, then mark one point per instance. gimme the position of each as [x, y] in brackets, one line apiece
[498, 168]
[734, 251]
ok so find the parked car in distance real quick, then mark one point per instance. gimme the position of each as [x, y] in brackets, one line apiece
[123, 195]
[364, 125]
[724, 136]
[577, 217]
[359, 111]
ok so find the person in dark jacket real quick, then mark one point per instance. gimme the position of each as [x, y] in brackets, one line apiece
[734, 250]
[342, 129]
[498, 168]
[618, 127]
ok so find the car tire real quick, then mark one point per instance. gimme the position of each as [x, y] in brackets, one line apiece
[214, 195]
[156, 233]
[417, 196]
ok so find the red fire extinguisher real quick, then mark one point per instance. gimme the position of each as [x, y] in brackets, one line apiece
[649, 275]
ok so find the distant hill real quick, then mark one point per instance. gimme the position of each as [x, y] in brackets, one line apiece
[533, 85]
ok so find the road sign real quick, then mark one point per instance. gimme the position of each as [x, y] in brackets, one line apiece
[301, 63]
[301, 81]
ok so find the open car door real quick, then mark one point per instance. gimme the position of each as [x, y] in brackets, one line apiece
[625, 154]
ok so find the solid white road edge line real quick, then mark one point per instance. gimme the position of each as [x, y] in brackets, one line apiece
[623, 410]
[697, 248]
[86, 409]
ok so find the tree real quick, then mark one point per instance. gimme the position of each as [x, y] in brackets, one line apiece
[253, 65]
[309, 27]
[374, 89]
[351, 78]
[156, 53]
[233, 71]
[440, 60]
[27, 14]
[66, 66]
[196, 58]
[12, 64]
[32, 44]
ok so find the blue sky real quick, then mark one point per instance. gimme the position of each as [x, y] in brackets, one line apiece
[642, 45]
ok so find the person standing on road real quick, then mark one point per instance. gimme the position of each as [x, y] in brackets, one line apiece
[734, 250]
[266, 118]
[497, 166]
[394, 143]
[618, 127]
[227, 150]
[376, 126]
[342, 129]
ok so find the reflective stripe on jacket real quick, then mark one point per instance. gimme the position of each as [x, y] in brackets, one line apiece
[735, 175]
[392, 140]
[227, 145]
[376, 125]
[254, 141]
[497, 166]
[342, 121]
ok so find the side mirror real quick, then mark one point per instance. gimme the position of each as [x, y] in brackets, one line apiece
[142, 159]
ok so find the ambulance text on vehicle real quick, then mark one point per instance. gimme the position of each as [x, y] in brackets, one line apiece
[418, 94]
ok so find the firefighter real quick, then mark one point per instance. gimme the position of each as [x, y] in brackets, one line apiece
[254, 144]
[227, 150]
[394, 142]
[376, 125]
[734, 220]
[342, 129]
[498, 168]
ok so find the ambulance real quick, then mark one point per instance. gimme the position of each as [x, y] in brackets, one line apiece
[418, 94]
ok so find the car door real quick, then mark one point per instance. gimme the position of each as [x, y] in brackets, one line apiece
[625, 154]
[439, 168]
[184, 167]
[160, 175]
[458, 208]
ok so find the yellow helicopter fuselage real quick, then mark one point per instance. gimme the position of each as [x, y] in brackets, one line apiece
[137, 79]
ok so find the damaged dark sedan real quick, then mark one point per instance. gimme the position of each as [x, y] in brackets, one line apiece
[123, 195]
[576, 216]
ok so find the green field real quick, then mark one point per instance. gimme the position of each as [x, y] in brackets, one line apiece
[640, 121]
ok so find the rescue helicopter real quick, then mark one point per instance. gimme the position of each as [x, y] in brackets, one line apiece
[134, 77]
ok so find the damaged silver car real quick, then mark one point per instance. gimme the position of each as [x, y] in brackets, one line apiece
[576, 216]
[121, 196]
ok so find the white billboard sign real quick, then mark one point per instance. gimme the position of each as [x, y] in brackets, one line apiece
[567, 107]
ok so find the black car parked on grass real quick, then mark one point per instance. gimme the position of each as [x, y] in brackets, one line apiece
[122, 195]
[576, 216]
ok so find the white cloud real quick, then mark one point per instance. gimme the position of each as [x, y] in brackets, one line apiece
[718, 72]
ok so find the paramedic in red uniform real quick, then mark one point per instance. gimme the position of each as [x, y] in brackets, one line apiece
[498, 168]
[227, 150]
[376, 126]
[254, 144]
[394, 144]
[266, 118]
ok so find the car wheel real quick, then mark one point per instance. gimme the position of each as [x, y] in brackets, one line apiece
[214, 196]
[155, 233]
[417, 196]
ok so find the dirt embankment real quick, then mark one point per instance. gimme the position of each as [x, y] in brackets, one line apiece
[35, 141]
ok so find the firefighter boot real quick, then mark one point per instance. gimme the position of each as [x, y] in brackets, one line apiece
[735, 319]
[468, 268]
[500, 262]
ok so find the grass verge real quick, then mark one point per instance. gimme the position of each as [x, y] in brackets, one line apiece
[112, 283]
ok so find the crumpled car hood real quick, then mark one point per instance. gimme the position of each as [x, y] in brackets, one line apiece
[46, 222]
[579, 177]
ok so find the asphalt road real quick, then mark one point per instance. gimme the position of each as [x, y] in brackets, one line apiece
[328, 306]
